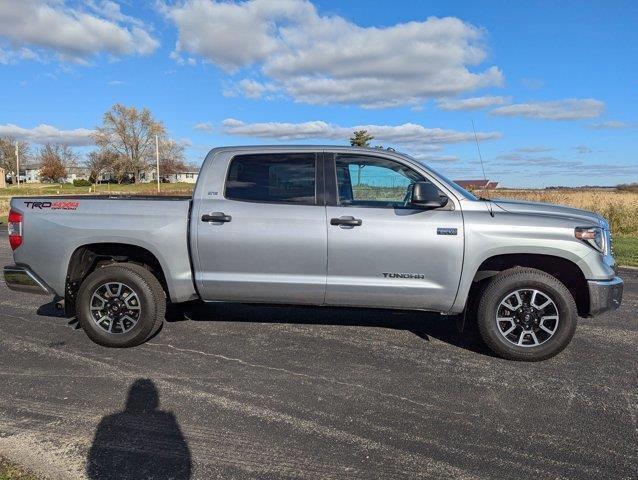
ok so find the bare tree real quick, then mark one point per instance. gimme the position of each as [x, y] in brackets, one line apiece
[105, 161]
[99, 162]
[8, 155]
[171, 157]
[54, 159]
[130, 134]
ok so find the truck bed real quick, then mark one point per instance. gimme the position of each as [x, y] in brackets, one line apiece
[105, 196]
[55, 227]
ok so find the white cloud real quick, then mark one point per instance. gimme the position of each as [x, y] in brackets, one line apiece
[203, 127]
[180, 60]
[249, 88]
[474, 103]
[551, 165]
[610, 125]
[322, 59]
[406, 134]
[582, 149]
[112, 11]
[47, 134]
[537, 161]
[536, 149]
[10, 56]
[622, 170]
[253, 89]
[569, 109]
[73, 34]
[429, 158]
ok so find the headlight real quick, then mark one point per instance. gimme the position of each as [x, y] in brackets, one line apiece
[594, 236]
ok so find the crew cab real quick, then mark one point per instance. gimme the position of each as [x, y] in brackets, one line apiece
[318, 225]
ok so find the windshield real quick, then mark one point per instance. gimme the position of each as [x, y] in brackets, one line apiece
[457, 188]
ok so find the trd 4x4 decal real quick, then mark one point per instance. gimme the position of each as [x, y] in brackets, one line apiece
[57, 205]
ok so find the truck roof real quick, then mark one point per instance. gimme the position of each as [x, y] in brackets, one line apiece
[333, 148]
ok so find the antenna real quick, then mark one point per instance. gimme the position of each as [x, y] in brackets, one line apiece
[478, 148]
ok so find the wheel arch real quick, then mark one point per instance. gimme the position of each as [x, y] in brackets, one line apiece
[565, 270]
[86, 258]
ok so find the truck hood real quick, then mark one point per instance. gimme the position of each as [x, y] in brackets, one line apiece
[548, 209]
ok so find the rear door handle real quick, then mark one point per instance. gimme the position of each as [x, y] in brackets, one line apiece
[216, 217]
[346, 221]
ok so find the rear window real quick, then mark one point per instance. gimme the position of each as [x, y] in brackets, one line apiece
[272, 178]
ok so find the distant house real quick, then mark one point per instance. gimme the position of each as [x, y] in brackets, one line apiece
[148, 176]
[30, 173]
[477, 184]
[106, 176]
[188, 175]
[77, 173]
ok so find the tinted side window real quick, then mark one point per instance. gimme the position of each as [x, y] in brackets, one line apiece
[272, 178]
[364, 181]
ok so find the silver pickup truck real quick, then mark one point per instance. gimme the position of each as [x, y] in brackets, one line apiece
[318, 225]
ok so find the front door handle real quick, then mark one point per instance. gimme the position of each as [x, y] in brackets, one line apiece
[216, 217]
[346, 221]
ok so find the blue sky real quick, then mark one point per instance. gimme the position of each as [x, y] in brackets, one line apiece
[552, 87]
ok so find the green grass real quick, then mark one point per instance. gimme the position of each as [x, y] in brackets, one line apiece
[42, 189]
[626, 250]
[11, 471]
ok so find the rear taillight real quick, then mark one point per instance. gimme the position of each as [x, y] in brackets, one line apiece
[14, 227]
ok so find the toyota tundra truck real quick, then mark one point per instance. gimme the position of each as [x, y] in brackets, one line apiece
[318, 225]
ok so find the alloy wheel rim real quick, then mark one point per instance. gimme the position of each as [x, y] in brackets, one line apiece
[115, 308]
[527, 317]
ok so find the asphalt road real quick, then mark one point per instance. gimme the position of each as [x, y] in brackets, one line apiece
[274, 392]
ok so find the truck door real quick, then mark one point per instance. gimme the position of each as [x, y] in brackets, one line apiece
[261, 229]
[383, 252]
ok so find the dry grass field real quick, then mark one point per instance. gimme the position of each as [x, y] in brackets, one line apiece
[619, 207]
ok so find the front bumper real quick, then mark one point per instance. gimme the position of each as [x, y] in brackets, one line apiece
[604, 295]
[20, 278]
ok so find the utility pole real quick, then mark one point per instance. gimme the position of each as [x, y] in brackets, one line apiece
[17, 163]
[157, 161]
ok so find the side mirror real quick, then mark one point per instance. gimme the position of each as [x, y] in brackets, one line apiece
[426, 195]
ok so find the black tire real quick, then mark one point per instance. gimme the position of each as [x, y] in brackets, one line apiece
[153, 281]
[506, 283]
[152, 303]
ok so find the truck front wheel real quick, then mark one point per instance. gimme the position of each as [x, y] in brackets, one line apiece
[121, 305]
[526, 314]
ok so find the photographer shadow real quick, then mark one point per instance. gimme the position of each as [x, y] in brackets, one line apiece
[140, 442]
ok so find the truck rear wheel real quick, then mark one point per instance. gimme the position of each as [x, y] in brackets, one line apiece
[121, 305]
[526, 314]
